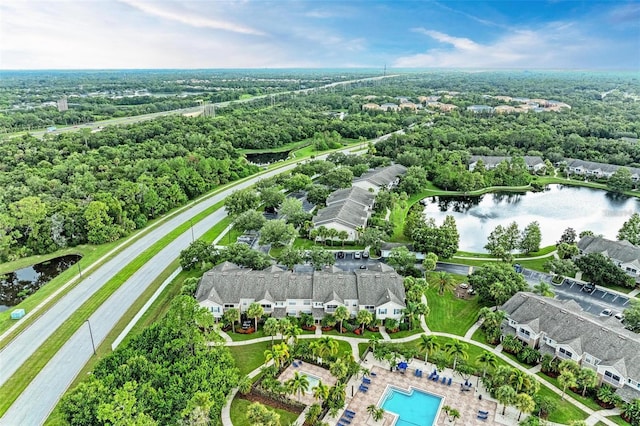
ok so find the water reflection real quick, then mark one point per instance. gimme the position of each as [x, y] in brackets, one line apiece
[267, 157]
[18, 285]
[556, 208]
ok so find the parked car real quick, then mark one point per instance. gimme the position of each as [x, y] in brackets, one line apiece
[606, 313]
[589, 287]
[357, 255]
[365, 253]
[619, 316]
[340, 255]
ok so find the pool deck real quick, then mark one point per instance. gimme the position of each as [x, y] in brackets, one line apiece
[311, 369]
[467, 403]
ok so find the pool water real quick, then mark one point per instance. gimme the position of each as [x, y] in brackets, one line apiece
[415, 408]
[313, 381]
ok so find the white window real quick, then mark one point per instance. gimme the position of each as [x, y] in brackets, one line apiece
[397, 311]
[382, 311]
[292, 303]
[229, 305]
[565, 352]
[612, 376]
[307, 302]
[525, 332]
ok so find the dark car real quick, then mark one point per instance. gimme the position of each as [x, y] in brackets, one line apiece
[589, 287]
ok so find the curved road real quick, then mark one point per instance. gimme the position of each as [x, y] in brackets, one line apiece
[53, 380]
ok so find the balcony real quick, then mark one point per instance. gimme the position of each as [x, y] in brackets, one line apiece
[611, 381]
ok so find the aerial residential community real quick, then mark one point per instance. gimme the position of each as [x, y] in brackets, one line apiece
[318, 213]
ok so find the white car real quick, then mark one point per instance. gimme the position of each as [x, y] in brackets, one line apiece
[606, 313]
[619, 316]
[356, 255]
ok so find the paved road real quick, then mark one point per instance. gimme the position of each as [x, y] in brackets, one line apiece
[53, 380]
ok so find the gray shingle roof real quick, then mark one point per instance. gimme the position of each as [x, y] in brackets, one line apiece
[355, 194]
[348, 213]
[623, 251]
[383, 176]
[227, 283]
[606, 340]
[592, 165]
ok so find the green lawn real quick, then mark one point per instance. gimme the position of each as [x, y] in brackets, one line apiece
[239, 413]
[406, 333]
[565, 411]
[617, 420]
[481, 337]
[585, 400]
[249, 357]
[449, 313]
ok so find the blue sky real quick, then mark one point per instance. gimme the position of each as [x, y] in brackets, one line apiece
[319, 34]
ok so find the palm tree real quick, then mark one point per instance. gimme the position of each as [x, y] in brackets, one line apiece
[341, 314]
[278, 353]
[373, 341]
[457, 349]
[445, 282]
[313, 235]
[255, 311]
[327, 347]
[518, 379]
[566, 379]
[543, 289]
[312, 414]
[322, 233]
[587, 378]
[297, 384]
[506, 395]
[525, 404]
[343, 236]
[232, 315]
[428, 344]
[364, 318]
[321, 391]
[606, 394]
[271, 328]
[376, 413]
[487, 360]
[331, 234]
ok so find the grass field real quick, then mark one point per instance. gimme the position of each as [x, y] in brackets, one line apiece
[249, 357]
[447, 313]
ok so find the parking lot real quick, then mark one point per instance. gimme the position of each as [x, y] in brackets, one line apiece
[594, 302]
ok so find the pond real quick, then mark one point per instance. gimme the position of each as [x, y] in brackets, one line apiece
[18, 285]
[267, 157]
[556, 208]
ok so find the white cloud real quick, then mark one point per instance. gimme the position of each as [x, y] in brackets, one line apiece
[556, 45]
[183, 17]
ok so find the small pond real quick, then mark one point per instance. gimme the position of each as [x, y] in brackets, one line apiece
[267, 157]
[18, 285]
[556, 208]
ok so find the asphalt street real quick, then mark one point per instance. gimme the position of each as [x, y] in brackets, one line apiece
[53, 380]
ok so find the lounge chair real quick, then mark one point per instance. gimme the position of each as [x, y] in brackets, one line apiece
[419, 373]
[343, 420]
[449, 381]
[484, 413]
[483, 416]
[363, 388]
[340, 424]
[353, 413]
[372, 374]
[436, 378]
[295, 364]
[444, 380]
[366, 381]
[349, 415]
[431, 375]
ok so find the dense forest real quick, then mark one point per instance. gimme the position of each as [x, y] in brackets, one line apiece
[167, 375]
[95, 187]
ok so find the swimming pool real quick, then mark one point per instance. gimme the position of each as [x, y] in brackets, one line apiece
[413, 408]
[313, 381]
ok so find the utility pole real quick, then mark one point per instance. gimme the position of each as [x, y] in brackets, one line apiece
[93, 345]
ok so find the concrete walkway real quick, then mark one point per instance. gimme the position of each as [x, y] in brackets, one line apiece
[495, 259]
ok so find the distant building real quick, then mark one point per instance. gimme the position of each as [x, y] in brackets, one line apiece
[598, 170]
[389, 107]
[371, 106]
[62, 104]
[381, 178]
[477, 109]
[534, 163]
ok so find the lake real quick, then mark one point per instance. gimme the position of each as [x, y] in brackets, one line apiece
[556, 208]
[267, 157]
[18, 285]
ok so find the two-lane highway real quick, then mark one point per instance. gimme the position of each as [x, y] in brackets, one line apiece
[42, 394]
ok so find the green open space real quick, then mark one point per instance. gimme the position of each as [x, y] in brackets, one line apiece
[448, 313]
[249, 357]
[589, 402]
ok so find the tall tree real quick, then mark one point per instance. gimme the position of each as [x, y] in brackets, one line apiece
[568, 236]
[457, 349]
[241, 201]
[271, 197]
[277, 233]
[620, 181]
[259, 415]
[401, 259]
[271, 328]
[531, 238]
[232, 315]
[524, 403]
[429, 344]
[497, 279]
[445, 282]
[506, 395]
[341, 314]
[250, 220]
[630, 230]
